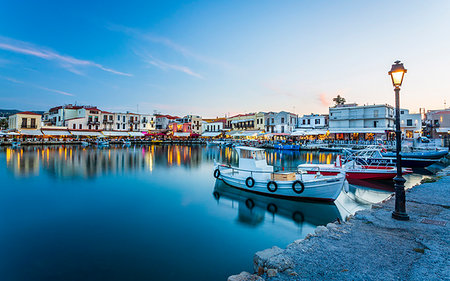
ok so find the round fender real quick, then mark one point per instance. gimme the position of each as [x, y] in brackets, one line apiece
[298, 216]
[216, 173]
[250, 182]
[298, 187]
[216, 195]
[272, 186]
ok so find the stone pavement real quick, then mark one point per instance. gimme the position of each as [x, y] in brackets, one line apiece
[371, 245]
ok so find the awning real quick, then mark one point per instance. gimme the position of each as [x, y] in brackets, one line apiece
[359, 130]
[115, 134]
[249, 134]
[278, 134]
[299, 133]
[31, 132]
[443, 130]
[12, 134]
[211, 134]
[56, 132]
[136, 134]
[232, 133]
[86, 133]
[180, 134]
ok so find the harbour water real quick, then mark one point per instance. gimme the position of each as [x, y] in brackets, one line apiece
[148, 213]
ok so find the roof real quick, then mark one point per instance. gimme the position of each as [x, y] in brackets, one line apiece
[28, 113]
[242, 115]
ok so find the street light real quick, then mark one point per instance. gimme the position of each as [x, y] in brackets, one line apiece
[397, 73]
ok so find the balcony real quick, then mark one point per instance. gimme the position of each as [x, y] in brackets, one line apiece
[91, 122]
[133, 121]
[105, 121]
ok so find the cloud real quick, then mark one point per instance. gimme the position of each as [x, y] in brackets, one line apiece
[36, 86]
[324, 100]
[167, 66]
[138, 34]
[67, 62]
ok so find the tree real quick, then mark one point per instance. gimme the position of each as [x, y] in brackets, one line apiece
[339, 100]
[3, 124]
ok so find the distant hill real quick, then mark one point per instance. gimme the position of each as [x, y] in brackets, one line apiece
[9, 112]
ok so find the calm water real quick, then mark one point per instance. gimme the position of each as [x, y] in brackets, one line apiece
[147, 213]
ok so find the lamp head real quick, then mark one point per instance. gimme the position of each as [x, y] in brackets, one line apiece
[397, 73]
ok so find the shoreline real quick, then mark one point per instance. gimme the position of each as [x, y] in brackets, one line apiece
[370, 245]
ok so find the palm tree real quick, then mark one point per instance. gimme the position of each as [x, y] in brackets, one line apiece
[339, 100]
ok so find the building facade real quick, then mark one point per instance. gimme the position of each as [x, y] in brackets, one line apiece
[313, 121]
[350, 121]
[251, 121]
[437, 123]
[280, 122]
[24, 121]
[410, 124]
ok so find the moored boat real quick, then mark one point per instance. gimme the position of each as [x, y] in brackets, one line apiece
[438, 154]
[255, 175]
[373, 157]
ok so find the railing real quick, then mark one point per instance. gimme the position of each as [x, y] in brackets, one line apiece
[234, 169]
[28, 127]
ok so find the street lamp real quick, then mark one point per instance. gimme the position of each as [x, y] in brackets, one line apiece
[397, 73]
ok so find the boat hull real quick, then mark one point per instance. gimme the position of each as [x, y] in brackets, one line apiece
[323, 189]
[407, 162]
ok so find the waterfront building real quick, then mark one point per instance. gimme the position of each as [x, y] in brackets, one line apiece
[126, 121]
[251, 121]
[147, 123]
[437, 124]
[313, 121]
[162, 121]
[410, 124]
[25, 122]
[280, 122]
[213, 127]
[194, 121]
[107, 120]
[350, 121]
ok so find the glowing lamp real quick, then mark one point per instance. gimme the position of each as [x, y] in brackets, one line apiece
[397, 73]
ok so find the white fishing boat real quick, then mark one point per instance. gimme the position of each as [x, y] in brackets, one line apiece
[15, 144]
[255, 175]
[102, 143]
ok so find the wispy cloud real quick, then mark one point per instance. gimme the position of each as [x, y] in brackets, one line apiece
[36, 86]
[167, 66]
[324, 100]
[144, 36]
[67, 62]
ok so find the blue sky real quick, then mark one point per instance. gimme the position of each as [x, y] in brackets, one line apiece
[221, 57]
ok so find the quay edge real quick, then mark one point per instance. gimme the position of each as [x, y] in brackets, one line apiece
[370, 245]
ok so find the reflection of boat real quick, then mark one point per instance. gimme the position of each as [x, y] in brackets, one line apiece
[255, 175]
[102, 143]
[126, 143]
[353, 170]
[85, 143]
[252, 207]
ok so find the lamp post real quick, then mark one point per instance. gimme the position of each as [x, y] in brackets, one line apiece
[397, 72]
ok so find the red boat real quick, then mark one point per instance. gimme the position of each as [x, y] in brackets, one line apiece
[353, 170]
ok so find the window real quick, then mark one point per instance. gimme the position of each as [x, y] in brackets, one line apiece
[123, 127]
[375, 124]
[123, 119]
[96, 127]
[273, 122]
[317, 121]
[282, 119]
[118, 117]
[375, 113]
[74, 126]
[90, 127]
[135, 127]
[309, 121]
[81, 126]
[409, 122]
[118, 126]
[304, 121]
[33, 122]
[402, 112]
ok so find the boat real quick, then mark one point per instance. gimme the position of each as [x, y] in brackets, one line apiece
[353, 170]
[126, 143]
[438, 154]
[15, 144]
[102, 143]
[373, 157]
[287, 146]
[255, 175]
[85, 143]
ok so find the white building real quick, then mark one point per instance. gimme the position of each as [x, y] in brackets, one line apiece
[280, 122]
[366, 121]
[147, 123]
[313, 121]
[410, 124]
[24, 121]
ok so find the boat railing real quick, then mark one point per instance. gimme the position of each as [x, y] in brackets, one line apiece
[234, 169]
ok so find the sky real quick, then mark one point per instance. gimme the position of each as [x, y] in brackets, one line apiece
[216, 58]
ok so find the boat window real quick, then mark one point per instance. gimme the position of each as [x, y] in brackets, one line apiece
[247, 154]
[260, 155]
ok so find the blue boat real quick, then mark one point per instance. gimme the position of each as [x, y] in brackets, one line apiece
[438, 154]
[287, 146]
[373, 156]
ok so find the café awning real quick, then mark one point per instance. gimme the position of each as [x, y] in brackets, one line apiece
[86, 133]
[31, 132]
[136, 134]
[115, 133]
[359, 130]
[56, 132]
[211, 134]
[181, 134]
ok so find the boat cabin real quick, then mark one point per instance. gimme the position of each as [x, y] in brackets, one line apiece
[253, 159]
